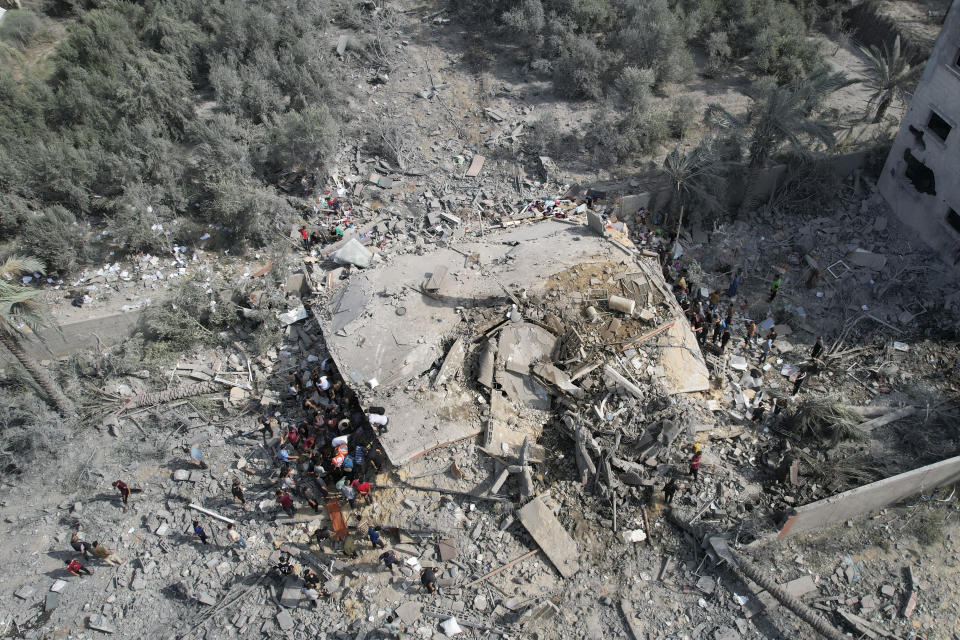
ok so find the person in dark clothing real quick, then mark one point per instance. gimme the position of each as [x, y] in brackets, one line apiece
[76, 568]
[237, 492]
[428, 578]
[374, 536]
[321, 534]
[286, 503]
[669, 491]
[80, 546]
[724, 339]
[315, 239]
[198, 532]
[717, 330]
[801, 377]
[817, 348]
[389, 559]
[124, 493]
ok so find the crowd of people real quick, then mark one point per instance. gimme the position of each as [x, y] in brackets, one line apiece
[325, 454]
[712, 323]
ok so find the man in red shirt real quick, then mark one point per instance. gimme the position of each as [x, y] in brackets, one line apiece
[286, 503]
[363, 488]
[305, 237]
[77, 569]
[124, 493]
[695, 465]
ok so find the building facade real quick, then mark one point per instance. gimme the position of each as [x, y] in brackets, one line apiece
[921, 177]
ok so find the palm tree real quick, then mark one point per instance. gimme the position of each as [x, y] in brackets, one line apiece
[888, 76]
[781, 114]
[697, 179]
[19, 307]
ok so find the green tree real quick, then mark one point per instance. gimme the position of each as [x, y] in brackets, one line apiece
[889, 75]
[781, 114]
[697, 180]
[19, 307]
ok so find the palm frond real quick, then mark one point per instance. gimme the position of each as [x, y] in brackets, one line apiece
[18, 265]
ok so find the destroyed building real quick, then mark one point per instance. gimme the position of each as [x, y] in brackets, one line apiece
[918, 179]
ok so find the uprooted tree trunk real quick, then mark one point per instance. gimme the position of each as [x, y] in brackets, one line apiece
[170, 395]
[746, 569]
[55, 395]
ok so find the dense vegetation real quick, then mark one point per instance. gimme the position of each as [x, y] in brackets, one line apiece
[623, 52]
[160, 121]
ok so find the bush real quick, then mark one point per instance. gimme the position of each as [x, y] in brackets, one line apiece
[718, 53]
[579, 71]
[51, 236]
[194, 312]
[545, 136]
[682, 116]
[19, 28]
[635, 88]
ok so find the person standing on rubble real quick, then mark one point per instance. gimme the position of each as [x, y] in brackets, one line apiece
[669, 490]
[235, 537]
[801, 377]
[124, 490]
[751, 333]
[374, 536]
[817, 348]
[734, 284]
[389, 559]
[198, 532]
[286, 503]
[765, 351]
[304, 237]
[237, 492]
[725, 338]
[695, 462]
[775, 288]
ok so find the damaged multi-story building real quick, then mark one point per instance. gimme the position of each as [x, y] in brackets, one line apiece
[919, 180]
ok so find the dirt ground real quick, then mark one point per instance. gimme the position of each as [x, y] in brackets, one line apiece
[155, 594]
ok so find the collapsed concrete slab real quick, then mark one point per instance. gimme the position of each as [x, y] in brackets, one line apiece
[390, 328]
[545, 529]
[870, 497]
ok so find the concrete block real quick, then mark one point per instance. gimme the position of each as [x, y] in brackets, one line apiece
[24, 592]
[51, 602]
[285, 621]
[101, 623]
[800, 586]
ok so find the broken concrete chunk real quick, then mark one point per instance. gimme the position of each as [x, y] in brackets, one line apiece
[293, 315]
[284, 621]
[101, 623]
[353, 253]
[635, 535]
[868, 259]
[707, 584]
[546, 530]
[24, 592]
[800, 586]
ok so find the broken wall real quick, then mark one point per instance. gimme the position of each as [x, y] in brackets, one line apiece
[920, 148]
[870, 497]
